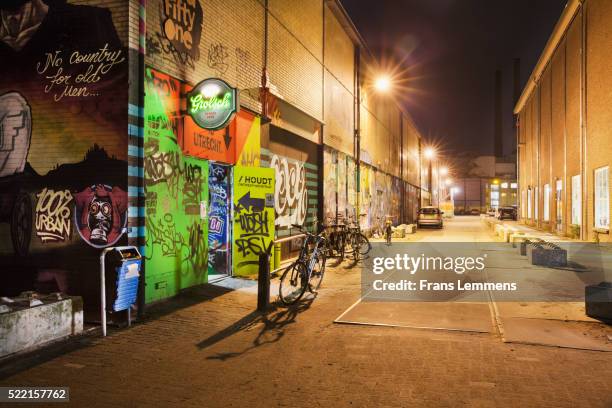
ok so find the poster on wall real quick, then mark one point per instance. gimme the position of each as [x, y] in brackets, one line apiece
[253, 216]
[218, 231]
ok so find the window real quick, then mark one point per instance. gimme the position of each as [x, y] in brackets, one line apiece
[494, 187]
[546, 202]
[529, 200]
[576, 201]
[504, 185]
[602, 199]
[513, 185]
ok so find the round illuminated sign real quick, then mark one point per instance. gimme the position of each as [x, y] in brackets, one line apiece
[212, 103]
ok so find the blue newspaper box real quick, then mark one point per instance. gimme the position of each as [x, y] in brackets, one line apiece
[122, 279]
[127, 284]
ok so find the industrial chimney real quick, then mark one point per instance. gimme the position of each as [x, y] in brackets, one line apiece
[498, 141]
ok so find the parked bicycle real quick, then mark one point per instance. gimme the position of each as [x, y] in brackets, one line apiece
[306, 273]
[336, 239]
[357, 243]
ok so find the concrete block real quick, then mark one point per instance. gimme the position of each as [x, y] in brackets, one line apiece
[525, 243]
[25, 328]
[598, 301]
[546, 254]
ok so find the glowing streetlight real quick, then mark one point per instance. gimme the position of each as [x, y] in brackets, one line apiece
[444, 171]
[429, 153]
[382, 84]
[448, 182]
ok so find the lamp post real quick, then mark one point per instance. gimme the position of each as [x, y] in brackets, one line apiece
[429, 155]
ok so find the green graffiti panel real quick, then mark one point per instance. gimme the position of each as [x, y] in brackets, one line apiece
[176, 194]
[253, 216]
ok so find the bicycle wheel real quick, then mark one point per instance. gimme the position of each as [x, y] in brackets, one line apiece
[354, 241]
[339, 246]
[293, 283]
[318, 270]
[364, 244]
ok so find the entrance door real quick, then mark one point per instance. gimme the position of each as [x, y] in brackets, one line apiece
[218, 220]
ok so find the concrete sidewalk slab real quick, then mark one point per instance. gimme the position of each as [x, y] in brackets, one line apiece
[576, 335]
[459, 316]
[563, 311]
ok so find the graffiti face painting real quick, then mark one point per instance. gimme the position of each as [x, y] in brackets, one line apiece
[100, 214]
[15, 132]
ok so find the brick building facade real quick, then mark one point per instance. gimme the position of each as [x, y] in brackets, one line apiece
[98, 148]
[564, 136]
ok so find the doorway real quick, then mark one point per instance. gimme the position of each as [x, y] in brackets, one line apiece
[219, 247]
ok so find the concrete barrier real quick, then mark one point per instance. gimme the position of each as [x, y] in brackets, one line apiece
[526, 243]
[546, 254]
[30, 322]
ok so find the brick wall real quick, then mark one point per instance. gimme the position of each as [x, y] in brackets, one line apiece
[556, 117]
[295, 54]
[231, 46]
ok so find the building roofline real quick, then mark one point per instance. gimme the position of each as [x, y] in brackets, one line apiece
[569, 12]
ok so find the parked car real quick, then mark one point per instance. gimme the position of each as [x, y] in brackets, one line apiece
[430, 216]
[507, 213]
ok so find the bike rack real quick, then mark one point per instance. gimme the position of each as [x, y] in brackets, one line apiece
[263, 278]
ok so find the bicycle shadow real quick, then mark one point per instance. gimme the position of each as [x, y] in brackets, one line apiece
[274, 323]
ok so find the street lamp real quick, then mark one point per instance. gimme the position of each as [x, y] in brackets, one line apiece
[444, 171]
[429, 153]
[382, 83]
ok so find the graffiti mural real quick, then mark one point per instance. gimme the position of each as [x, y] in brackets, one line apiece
[63, 121]
[295, 192]
[15, 133]
[101, 214]
[218, 232]
[53, 215]
[181, 25]
[253, 216]
[290, 194]
[176, 195]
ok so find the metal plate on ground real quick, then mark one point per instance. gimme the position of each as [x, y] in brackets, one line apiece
[558, 333]
[469, 317]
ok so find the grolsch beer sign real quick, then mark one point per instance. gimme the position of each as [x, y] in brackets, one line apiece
[212, 103]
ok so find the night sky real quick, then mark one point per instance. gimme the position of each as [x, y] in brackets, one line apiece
[450, 50]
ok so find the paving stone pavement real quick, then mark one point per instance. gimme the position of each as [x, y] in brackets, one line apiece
[210, 349]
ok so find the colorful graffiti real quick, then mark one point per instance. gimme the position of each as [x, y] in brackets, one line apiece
[295, 192]
[176, 195]
[253, 216]
[53, 215]
[101, 214]
[339, 186]
[218, 232]
[182, 29]
[62, 131]
[290, 194]
[15, 133]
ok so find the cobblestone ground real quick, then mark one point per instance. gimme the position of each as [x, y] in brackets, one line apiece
[209, 349]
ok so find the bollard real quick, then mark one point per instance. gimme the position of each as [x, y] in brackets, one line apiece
[263, 280]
